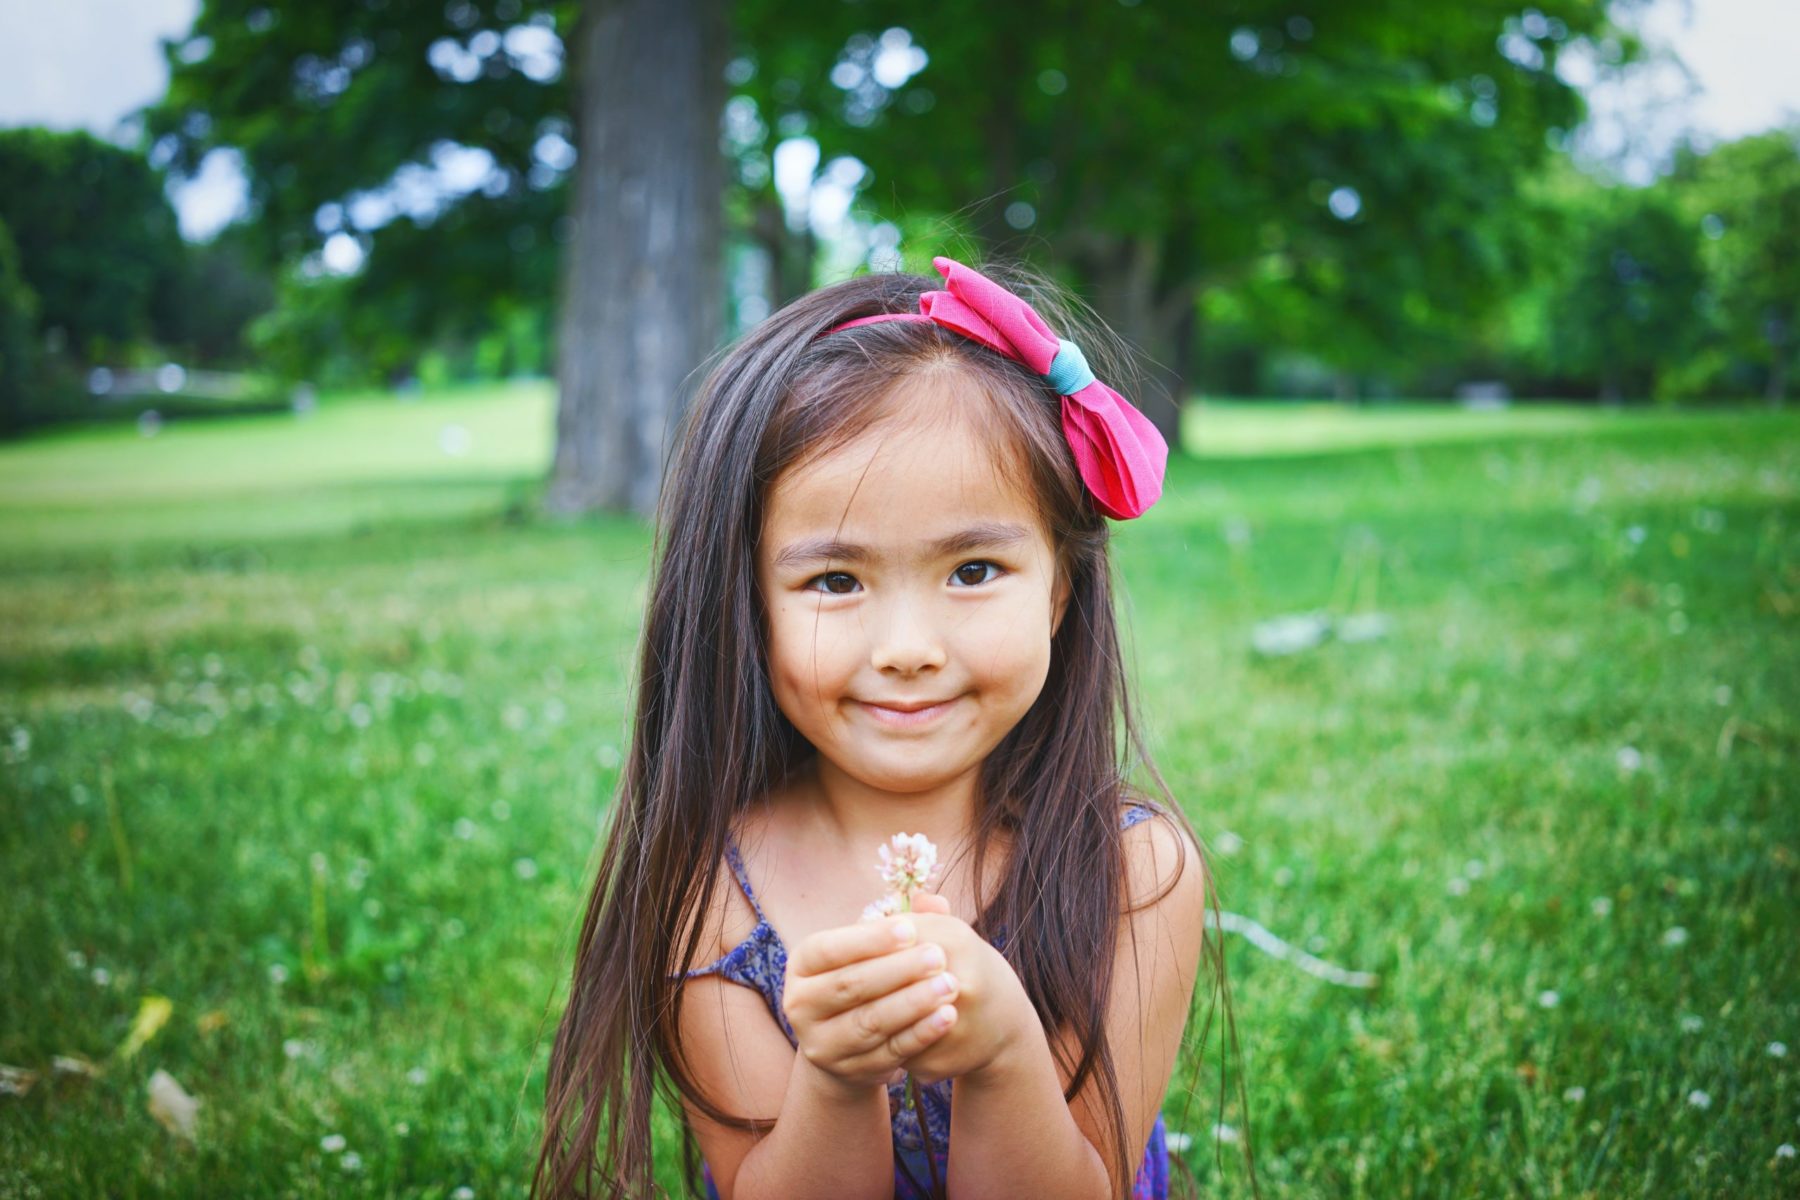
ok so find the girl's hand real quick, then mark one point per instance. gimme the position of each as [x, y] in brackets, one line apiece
[992, 1009]
[865, 998]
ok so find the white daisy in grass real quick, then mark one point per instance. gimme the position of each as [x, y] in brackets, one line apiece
[1785, 1150]
[1674, 935]
[463, 1193]
[1777, 1049]
[1699, 1099]
[1224, 1133]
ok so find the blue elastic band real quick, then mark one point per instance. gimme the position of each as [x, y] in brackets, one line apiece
[1069, 371]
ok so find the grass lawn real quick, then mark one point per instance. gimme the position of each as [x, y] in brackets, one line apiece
[306, 726]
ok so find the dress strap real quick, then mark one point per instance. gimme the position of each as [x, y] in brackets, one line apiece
[737, 868]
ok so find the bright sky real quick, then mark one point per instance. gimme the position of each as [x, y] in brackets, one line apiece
[88, 63]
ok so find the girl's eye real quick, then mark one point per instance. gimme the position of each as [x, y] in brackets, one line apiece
[832, 579]
[979, 567]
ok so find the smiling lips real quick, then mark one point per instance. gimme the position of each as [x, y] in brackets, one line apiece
[905, 716]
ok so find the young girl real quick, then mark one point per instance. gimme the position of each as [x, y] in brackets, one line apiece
[882, 603]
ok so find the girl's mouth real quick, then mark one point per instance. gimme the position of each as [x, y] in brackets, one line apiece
[897, 719]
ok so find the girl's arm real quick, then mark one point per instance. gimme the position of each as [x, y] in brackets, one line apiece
[1011, 1132]
[828, 1140]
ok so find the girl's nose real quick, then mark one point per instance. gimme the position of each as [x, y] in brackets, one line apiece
[907, 641]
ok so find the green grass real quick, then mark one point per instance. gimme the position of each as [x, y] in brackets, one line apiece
[314, 701]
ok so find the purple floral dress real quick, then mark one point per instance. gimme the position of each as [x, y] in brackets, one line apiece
[760, 962]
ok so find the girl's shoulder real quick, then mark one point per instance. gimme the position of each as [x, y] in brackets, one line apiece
[1160, 850]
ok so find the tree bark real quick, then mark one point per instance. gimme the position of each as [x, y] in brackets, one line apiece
[643, 291]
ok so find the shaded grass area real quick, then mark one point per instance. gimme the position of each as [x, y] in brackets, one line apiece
[308, 725]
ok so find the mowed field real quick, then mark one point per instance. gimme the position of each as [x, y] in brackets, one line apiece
[307, 726]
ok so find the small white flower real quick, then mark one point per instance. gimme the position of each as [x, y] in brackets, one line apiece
[1548, 999]
[278, 974]
[1777, 1049]
[101, 976]
[1785, 1150]
[1674, 935]
[1629, 758]
[1575, 1095]
[293, 1047]
[1692, 1024]
[1224, 1133]
[525, 868]
[887, 906]
[464, 828]
[908, 862]
[1177, 1143]
[417, 1076]
[463, 1193]
[1601, 905]
[401, 1128]
[1699, 1099]
[332, 1143]
[352, 1161]
[1458, 886]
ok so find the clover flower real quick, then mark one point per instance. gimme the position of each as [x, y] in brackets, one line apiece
[908, 862]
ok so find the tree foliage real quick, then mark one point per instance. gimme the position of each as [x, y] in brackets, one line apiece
[96, 238]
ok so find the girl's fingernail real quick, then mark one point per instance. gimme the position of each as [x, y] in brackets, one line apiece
[944, 984]
[904, 933]
[944, 1016]
[934, 958]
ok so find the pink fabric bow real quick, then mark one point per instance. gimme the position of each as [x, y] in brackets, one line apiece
[1119, 453]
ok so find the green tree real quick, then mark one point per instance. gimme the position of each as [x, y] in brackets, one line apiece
[1747, 197]
[1628, 301]
[355, 120]
[18, 337]
[1362, 156]
[96, 237]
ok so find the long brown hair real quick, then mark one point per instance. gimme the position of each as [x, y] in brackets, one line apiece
[708, 739]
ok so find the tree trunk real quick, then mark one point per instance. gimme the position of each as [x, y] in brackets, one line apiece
[643, 278]
[1156, 322]
[790, 252]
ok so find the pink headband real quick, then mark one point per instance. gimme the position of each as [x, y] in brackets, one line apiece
[1119, 453]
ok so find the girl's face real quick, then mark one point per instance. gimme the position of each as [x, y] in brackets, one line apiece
[903, 571]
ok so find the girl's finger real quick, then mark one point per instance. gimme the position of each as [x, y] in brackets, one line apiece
[830, 949]
[870, 1026]
[918, 1037]
[930, 902]
[827, 996]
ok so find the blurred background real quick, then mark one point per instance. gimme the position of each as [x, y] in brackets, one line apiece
[340, 343]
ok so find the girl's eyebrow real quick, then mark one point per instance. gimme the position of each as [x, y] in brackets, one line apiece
[986, 534]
